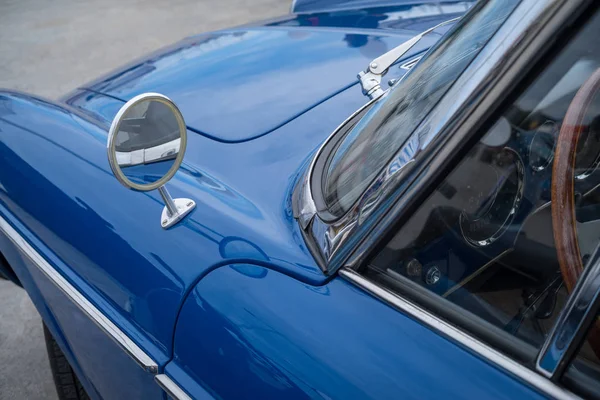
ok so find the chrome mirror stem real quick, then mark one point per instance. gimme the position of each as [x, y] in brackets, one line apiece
[169, 203]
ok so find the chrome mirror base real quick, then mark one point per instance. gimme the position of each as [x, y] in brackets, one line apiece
[175, 209]
[184, 207]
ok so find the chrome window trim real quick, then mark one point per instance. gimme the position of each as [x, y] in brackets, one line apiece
[472, 344]
[171, 388]
[573, 323]
[93, 313]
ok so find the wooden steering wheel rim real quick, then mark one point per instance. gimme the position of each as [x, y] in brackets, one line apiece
[564, 224]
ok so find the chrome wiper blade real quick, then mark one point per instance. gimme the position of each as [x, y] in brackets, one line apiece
[370, 78]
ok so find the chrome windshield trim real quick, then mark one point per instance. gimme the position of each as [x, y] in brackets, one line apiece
[573, 323]
[171, 388]
[453, 333]
[126, 344]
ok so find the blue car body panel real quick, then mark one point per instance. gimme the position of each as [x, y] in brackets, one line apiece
[86, 214]
[81, 223]
[264, 77]
[250, 332]
[105, 371]
[20, 263]
[229, 302]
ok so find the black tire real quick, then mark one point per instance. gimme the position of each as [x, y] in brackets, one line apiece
[67, 385]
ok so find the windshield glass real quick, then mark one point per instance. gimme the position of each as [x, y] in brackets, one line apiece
[372, 143]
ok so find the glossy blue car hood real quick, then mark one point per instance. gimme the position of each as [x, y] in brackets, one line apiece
[240, 84]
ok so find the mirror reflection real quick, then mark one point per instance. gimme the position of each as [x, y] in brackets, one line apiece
[147, 142]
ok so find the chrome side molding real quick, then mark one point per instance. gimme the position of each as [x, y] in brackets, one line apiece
[171, 388]
[116, 334]
[461, 338]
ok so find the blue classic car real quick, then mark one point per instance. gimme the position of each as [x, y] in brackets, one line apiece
[357, 200]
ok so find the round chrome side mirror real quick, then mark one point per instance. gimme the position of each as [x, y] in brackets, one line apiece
[146, 144]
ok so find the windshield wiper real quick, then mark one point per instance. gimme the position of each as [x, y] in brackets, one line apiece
[370, 79]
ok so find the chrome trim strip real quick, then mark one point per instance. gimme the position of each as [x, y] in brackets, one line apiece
[573, 323]
[132, 349]
[171, 388]
[498, 359]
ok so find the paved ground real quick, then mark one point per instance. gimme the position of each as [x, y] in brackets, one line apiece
[51, 47]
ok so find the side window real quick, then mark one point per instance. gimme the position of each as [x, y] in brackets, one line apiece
[500, 243]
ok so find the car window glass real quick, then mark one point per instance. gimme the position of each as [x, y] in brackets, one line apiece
[374, 141]
[485, 239]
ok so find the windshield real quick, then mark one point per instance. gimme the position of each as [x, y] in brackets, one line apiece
[372, 143]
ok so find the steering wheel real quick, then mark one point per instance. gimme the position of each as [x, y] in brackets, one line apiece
[564, 224]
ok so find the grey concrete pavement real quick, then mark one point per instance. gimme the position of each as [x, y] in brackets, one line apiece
[50, 47]
[24, 368]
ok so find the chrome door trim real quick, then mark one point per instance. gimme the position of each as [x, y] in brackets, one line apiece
[573, 323]
[496, 358]
[126, 344]
[171, 388]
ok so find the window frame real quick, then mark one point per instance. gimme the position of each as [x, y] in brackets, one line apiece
[553, 26]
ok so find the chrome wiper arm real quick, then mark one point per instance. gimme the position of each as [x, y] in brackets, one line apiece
[370, 78]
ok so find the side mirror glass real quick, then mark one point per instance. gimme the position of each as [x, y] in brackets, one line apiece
[146, 142]
[146, 145]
